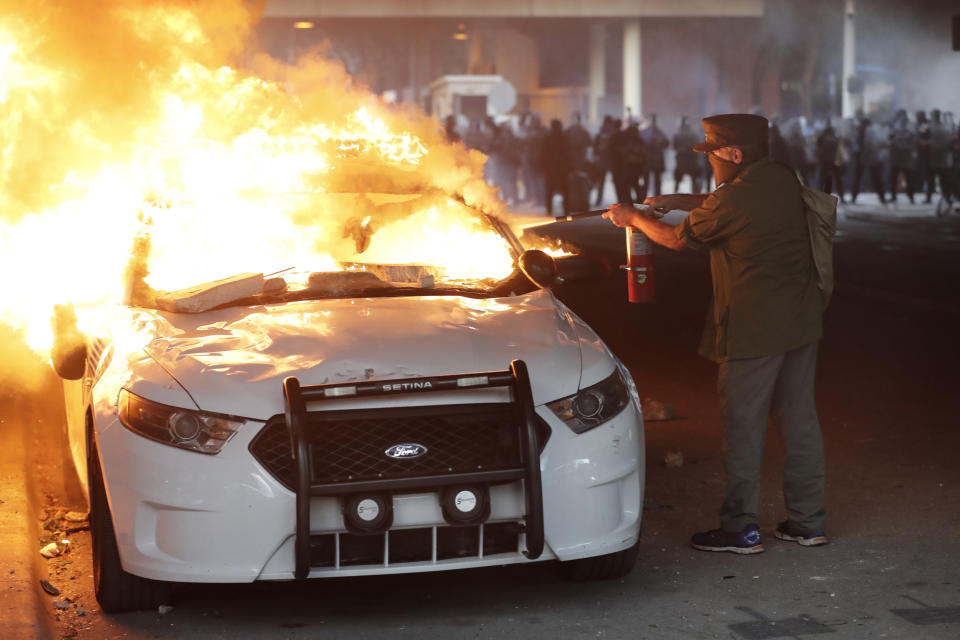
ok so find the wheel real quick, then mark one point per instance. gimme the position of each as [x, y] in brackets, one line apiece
[115, 589]
[607, 567]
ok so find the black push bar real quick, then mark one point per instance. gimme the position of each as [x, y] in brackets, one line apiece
[517, 379]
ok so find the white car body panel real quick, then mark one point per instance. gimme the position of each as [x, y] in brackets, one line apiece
[185, 516]
[343, 340]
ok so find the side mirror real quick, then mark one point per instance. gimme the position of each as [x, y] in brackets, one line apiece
[538, 267]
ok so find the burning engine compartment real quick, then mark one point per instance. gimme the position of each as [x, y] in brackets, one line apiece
[201, 161]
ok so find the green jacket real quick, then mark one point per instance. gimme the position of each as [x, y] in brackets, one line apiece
[765, 295]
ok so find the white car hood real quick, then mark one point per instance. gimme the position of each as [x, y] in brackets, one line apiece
[234, 360]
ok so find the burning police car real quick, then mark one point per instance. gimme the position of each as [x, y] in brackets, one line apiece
[376, 420]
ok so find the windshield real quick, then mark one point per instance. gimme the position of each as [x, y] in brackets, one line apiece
[368, 245]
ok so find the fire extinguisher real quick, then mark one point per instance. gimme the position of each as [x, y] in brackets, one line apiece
[639, 267]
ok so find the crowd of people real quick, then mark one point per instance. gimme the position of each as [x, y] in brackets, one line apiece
[899, 155]
[533, 163]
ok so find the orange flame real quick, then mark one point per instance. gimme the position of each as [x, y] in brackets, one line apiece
[138, 123]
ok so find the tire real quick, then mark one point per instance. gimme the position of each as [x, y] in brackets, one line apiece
[115, 589]
[607, 567]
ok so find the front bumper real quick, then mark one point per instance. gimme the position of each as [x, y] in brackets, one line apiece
[186, 517]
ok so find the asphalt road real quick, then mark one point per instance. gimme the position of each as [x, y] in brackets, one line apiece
[886, 391]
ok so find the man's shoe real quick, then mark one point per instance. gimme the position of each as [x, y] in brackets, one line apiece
[791, 532]
[743, 542]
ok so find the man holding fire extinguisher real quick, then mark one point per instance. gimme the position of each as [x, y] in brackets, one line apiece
[763, 328]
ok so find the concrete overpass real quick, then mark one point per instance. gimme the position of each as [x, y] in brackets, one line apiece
[516, 60]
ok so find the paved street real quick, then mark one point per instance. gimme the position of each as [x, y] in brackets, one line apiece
[889, 408]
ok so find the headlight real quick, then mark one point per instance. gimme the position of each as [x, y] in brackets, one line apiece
[194, 430]
[593, 406]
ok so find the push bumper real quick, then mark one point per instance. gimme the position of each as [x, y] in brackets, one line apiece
[181, 516]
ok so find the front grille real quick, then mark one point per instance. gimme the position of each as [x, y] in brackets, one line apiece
[349, 446]
[414, 545]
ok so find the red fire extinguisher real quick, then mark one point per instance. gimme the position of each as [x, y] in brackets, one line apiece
[639, 267]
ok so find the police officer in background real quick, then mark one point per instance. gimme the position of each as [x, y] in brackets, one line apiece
[866, 157]
[656, 143]
[579, 140]
[922, 173]
[603, 153]
[687, 161]
[763, 329]
[940, 158]
[556, 161]
[628, 158]
[828, 150]
[903, 156]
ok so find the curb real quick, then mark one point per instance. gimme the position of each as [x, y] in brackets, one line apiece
[24, 609]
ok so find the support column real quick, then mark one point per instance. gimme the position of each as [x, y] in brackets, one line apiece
[598, 65]
[632, 68]
[413, 57]
[849, 61]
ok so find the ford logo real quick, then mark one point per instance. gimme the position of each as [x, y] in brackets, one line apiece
[407, 450]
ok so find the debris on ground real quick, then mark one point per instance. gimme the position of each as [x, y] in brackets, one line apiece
[649, 504]
[50, 551]
[655, 410]
[62, 605]
[164, 609]
[49, 588]
[75, 516]
[673, 459]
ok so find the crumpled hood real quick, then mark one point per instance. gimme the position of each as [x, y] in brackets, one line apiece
[234, 360]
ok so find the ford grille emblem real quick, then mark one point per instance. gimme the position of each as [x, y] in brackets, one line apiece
[406, 450]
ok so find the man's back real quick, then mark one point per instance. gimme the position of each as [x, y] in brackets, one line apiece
[765, 295]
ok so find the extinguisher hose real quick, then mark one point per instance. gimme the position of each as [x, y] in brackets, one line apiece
[642, 208]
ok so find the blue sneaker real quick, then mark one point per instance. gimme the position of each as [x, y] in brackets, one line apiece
[743, 542]
[792, 532]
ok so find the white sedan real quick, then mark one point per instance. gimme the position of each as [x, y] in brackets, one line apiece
[361, 425]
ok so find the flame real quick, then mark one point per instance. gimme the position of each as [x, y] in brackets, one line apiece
[129, 127]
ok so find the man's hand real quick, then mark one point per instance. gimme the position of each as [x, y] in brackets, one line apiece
[622, 215]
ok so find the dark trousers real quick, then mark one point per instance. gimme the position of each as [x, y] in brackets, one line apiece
[876, 180]
[653, 181]
[601, 182]
[831, 169]
[749, 389]
[628, 185]
[693, 172]
[946, 185]
[556, 183]
[895, 172]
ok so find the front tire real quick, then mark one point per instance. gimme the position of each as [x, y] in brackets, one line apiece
[115, 589]
[606, 567]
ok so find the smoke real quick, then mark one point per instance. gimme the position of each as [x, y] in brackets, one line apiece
[910, 45]
[145, 129]
[19, 365]
[78, 84]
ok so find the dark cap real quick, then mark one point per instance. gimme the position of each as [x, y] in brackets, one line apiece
[733, 129]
